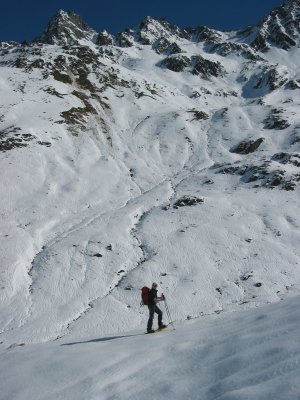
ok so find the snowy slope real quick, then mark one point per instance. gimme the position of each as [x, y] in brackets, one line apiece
[241, 355]
[160, 154]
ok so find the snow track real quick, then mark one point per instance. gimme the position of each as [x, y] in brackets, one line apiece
[56, 283]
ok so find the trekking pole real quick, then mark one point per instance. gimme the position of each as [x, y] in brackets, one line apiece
[168, 314]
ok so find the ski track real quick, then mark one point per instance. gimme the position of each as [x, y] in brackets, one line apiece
[178, 179]
[44, 255]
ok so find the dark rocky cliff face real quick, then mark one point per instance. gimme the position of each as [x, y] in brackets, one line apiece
[66, 28]
[280, 28]
[104, 39]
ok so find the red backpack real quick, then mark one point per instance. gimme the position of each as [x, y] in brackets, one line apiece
[145, 292]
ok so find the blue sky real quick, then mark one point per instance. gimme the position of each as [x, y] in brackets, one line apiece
[20, 20]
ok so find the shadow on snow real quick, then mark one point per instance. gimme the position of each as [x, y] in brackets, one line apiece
[101, 339]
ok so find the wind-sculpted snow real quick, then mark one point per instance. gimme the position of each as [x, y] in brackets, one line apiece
[158, 154]
[245, 355]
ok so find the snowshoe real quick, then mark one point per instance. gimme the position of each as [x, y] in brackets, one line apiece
[163, 326]
[150, 331]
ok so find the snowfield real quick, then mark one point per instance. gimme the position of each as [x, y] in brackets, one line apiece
[163, 155]
[241, 355]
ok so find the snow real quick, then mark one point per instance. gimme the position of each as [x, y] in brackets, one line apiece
[241, 355]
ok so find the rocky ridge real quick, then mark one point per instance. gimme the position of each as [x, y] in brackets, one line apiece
[82, 52]
[280, 28]
[66, 28]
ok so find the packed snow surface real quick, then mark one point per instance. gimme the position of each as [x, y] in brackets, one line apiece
[251, 355]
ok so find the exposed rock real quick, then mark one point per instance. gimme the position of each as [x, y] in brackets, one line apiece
[54, 92]
[38, 63]
[260, 43]
[206, 68]
[124, 39]
[276, 121]
[162, 45]
[280, 28]
[61, 77]
[195, 95]
[20, 62]
[287, 158]
[291, 183]
[292, 84]
[226, 48]
[84, 58]
[173, 49]
[11, 143]
[152, 30]
[199, 115]
[187, 201]
[208, 182]
[8, 45]
[174, 29]
[25, 43]
[295, 137]
[66, 28]
[272, 78]
[12, 138]
[231, 169]
[176, 63]
[264, 174]
[247, 276]
[104, 39]
[247, 146]
[78, 115]
[43, 143]
[203, 33]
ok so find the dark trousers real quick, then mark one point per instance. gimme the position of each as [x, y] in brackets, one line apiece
[154, 309]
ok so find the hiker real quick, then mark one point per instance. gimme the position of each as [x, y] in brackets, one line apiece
[153, 308]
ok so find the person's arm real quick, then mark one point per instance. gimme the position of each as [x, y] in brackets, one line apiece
[158, 299]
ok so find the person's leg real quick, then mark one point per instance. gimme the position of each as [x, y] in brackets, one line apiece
[151, 316]
[160, 314]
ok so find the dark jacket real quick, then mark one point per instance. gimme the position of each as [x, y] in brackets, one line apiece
[151, 296]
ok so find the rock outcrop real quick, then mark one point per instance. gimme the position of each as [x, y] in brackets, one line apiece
[66, 28]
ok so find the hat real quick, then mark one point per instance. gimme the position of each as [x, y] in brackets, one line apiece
[154, 284]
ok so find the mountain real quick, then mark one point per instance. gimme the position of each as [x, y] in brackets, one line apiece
[66, 28]
[280, 28]
[157, 154]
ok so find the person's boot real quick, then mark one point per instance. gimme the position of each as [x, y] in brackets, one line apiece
[162, 326]
[150, 331]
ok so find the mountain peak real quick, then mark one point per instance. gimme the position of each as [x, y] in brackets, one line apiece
[151, 30]
[66, 28]
[279, 28]
[292, 3]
